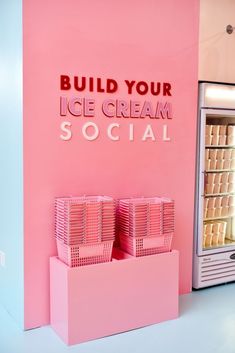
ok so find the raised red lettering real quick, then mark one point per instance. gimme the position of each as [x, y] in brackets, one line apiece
[111, 86]
[166, 89]
[91, 84]
[130, 86]
[82, 85]
[65, 83]
[142, 88]
[99, 86]
[155, 88]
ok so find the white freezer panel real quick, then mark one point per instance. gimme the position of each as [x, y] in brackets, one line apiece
[213, 269]
[217, 96]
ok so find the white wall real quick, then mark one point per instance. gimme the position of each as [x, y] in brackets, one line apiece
[216, 47]
[11, 149]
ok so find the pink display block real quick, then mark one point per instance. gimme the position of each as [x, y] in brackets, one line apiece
[94, 301]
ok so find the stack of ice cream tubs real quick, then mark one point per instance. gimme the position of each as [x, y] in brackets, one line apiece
[214, 234]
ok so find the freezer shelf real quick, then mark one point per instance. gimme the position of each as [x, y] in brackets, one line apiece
[220, 146]
[219, 170]
[218, 195]
[227, 243]
[216, 218]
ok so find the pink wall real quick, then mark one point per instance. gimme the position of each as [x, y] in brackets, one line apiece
[136, 40]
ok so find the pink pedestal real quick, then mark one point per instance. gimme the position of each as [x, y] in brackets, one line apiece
[99, 300]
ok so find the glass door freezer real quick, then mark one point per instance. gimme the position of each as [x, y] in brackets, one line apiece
[214, 238]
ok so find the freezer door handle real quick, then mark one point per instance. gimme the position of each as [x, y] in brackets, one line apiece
[232, 257]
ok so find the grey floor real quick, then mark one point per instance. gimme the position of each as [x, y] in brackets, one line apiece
[206, 324]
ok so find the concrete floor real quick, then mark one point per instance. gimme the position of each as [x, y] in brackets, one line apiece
[206, 324]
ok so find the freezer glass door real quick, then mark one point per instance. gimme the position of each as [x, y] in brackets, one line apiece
[216, 185]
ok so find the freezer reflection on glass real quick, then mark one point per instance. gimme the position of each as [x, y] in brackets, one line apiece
[219, 184]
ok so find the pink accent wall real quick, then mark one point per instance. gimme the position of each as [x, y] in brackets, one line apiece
[137, 40]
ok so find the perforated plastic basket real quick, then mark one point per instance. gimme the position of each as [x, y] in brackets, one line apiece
[142, 246]
[84, 254]
[86, 219]
[138, 217]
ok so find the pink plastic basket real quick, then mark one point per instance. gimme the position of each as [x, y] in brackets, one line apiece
[86, 219]
[138, 217]
[84, 254]
[142, 246]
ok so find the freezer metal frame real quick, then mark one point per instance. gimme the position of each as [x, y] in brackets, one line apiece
[215, 265]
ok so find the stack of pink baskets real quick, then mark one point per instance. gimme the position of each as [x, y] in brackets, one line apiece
[84, 229]
[146, 225]
[168, 218]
